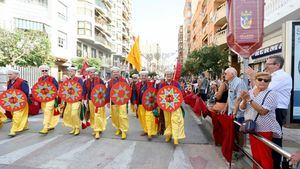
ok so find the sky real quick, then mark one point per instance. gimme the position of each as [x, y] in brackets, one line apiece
[158, 21]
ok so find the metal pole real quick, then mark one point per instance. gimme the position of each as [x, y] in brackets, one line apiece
[245, 66]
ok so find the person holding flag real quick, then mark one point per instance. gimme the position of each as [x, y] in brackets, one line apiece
[174, 122]
[133, 87]
[97, 114]
[119, 114]
[71, 114]
[146, 118]
[20, 117]
[50, 120]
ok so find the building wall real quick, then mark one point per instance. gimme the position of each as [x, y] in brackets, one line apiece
[180, 45]
[27, 14]
[186, 28]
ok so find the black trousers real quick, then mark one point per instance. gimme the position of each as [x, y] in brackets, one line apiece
[280, 117]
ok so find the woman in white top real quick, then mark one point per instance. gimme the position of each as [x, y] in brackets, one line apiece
[259, 104]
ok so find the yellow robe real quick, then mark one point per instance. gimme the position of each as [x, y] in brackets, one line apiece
[72, 115]
[3, 118]
[119, 117]
[147, 121]
[98, 119]
[174, 124]
[50, 121]
[20, 119]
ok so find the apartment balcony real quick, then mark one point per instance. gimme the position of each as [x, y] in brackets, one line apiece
[103, 9]
[220, 38]
[99, 40]
[103, 25]
[221, 15]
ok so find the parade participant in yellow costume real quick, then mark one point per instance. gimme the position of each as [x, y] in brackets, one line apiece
[119, 115]
[97, 114]
[71, 114]
[3, 118]
[20, 117]
[50, 120]
[133, 87]
[174, 122]
[146, 118]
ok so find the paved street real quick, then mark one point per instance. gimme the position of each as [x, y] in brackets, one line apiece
[60, 150]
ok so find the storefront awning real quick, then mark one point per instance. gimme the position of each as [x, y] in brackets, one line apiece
[270, 50]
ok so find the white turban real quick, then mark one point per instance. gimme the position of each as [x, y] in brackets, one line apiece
[44, 67]
[72, 68]
[91, 69]
[144, 72]
[15, 71]
[115, 69]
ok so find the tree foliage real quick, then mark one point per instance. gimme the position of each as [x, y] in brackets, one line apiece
[93, 62]
[24, 48]
[213, 59]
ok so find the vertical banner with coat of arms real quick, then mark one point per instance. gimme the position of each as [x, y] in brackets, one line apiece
[246, 24]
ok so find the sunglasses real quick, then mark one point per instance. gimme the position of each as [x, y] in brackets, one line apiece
[265, 80]
[44, 70]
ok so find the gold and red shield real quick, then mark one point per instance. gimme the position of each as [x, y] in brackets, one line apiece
[44, 91]
[98, 95]
[13, 100]
[169, 98]
[120, 93]
[70, 91]
[149, 99]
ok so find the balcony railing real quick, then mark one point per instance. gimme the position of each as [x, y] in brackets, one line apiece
[103, 41]
[220, 38]
[220, 12]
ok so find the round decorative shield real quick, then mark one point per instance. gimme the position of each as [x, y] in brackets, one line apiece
[44, 91]
[70, 91]
[120, 93]
[98, 95]
[169, 98]
[13, 100]
[149, 99]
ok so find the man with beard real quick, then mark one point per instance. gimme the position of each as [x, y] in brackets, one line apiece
[174, 122]
[119, 115]
[50, 120]
[20, 117]
[71, 114]
[97, 114]
[146, 118]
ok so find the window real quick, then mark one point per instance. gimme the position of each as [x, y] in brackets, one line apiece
[29, 25]
[85, 11]
[43, 3]
[84, 28]
[62, 40]
[85, 51]
[79, 49]
[62, 10]
[94, 53]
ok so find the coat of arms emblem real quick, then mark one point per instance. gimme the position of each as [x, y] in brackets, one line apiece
[246, 19]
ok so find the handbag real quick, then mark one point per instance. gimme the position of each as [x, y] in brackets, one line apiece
[249, 126]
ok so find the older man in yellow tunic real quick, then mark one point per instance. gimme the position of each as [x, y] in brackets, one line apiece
[174, 121]
[71, 114]
[146, 118]
[50, 120]
[119, 115]
[20, 117]
[97, 114]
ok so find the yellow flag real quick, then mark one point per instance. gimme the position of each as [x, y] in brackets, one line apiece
[134, 56]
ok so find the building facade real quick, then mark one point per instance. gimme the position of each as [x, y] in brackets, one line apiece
[122, 32]
[180, 45]
[55, 17]
[187, 13]
[151, 56]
